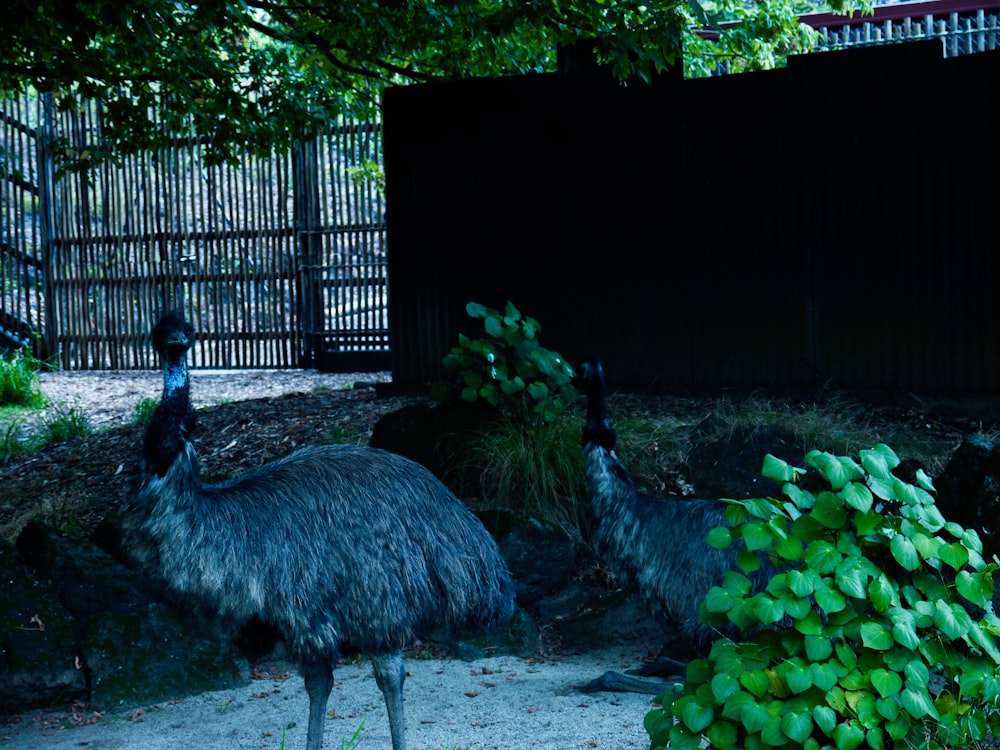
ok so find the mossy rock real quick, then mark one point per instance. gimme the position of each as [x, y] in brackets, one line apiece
[38, 642]
[148, 656]
[518, 637]
[590, 618]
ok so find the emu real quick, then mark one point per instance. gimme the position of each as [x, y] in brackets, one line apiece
[344, 549]
[654, 544]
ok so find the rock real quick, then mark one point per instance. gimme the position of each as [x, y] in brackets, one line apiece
[589, 617]
[436, 436]
[108, 637]
[38, 643]
[541, 556]
[86, 578]
[730, 466]
[147, 656]
[969, 490]
[518, 637]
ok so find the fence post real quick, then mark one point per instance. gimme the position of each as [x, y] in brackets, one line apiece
[305, 167]
[50, 323]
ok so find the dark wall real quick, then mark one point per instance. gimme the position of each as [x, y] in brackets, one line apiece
[832, 222]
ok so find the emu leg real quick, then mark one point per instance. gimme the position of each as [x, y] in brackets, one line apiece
[389, 676]
[319, 683]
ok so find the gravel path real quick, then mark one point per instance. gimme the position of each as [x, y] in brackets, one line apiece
[109, 397]
[498, 703]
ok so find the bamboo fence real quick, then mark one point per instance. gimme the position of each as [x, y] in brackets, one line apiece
[275, 260]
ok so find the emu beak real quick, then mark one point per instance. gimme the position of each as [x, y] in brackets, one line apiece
[178, 340]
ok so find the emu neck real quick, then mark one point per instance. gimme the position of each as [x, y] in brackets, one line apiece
[176, 382]
[166, 436]
[597, 428]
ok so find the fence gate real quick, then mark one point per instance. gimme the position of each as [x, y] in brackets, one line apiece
[279, 261]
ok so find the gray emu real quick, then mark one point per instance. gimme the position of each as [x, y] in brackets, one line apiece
[654, 544]
[344, 549]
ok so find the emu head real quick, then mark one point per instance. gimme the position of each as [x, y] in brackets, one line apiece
[592, 374]
[173, 336]
[597, 428]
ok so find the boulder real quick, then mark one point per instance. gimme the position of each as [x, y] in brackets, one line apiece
[541, 556]
[79, 625]
[149, 655]
[730, 466]
[969, 490]
[589, 616]
[436, 436]
[41, 663]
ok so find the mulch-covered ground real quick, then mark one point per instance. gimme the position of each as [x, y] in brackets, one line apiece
[80, 481]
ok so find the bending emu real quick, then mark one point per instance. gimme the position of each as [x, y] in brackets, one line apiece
[343, 548]
[655, 544]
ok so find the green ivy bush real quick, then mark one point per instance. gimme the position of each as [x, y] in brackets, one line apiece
[508, 368]
[877, 630]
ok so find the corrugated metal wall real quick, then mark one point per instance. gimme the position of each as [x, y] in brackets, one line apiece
[829, 223]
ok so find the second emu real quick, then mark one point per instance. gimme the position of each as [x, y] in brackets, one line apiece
[655, 544]
[344, 549]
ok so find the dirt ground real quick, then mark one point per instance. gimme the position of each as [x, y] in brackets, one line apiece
[243, 420]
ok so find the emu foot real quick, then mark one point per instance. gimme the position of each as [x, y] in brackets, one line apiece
[663, 667]
[623, 682]
[652, 679]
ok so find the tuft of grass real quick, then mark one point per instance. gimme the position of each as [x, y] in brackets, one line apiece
[19, 380]
[144, 411]
[67, 423]
[11, 444]
[535, 471]
[355, 740]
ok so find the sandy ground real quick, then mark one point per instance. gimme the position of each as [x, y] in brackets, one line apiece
[498, 703]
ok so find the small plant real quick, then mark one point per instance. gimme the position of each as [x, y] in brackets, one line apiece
[877, 629]
[537, 473]
[508, 368]
[11, 444]
[355, 739]
[19, 380]
[67, 423]
[144, 410]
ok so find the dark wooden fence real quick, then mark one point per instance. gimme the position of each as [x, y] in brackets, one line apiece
[279, 261]
[833, 222]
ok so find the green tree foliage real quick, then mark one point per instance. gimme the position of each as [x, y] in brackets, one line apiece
[252, 74]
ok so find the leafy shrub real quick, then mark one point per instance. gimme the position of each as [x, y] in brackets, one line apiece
[877, 629]
[508, 368]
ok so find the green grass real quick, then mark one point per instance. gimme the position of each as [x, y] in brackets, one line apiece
[65, 423]
[144, 410]
[534, 471]
[19, 380]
